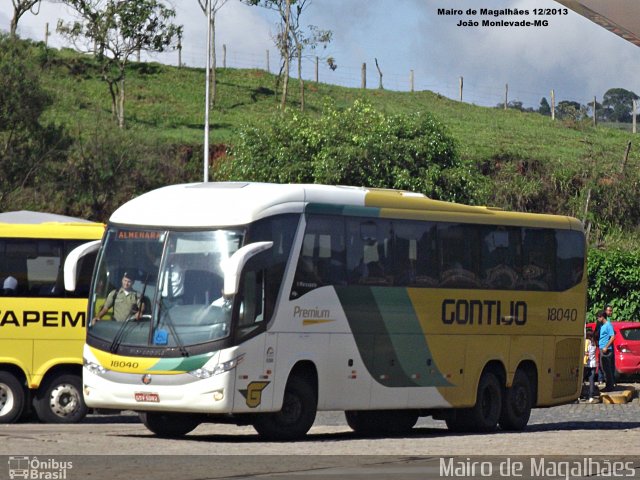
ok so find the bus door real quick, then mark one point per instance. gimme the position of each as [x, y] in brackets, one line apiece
[255, 369]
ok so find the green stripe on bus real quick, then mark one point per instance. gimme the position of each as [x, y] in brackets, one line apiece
[181, 364]
[388, 336]
[407, 338]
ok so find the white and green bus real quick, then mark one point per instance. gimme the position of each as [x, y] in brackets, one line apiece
[261, 304]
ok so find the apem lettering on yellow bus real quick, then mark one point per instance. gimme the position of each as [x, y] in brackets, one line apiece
[262, 304]
[42, 326]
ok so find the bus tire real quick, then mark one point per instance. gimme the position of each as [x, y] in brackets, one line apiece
[169, 425]
[60, 400]
[518, 400]
[485, 414]
[12, 398]
[295, 418]
[381, 422]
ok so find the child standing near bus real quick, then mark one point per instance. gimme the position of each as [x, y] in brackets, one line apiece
[590, 366]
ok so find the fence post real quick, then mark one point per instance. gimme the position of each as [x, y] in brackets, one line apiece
[553, 105]
[363, 81]
[506, 95]
[595, 121]
[46, 35]
[268, 69]
[461, 86]
[180, 50]
[317, 74]
[411, 79]
[224, 55]
[633, 121]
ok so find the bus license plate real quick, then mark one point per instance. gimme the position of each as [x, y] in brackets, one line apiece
[147, 397]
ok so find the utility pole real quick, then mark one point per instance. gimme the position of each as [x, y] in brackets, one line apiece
[206, 95]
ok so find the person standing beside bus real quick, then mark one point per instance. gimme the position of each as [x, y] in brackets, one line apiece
[124, 300]
[605, 343]
[590, 366]
[608, 311]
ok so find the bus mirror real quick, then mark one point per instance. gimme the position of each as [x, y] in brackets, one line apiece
[71, 263]
[232, 266]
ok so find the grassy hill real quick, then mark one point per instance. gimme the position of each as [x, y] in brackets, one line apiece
[532, 163]
[167, 104]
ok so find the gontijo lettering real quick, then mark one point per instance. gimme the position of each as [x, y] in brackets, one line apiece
[483, 312]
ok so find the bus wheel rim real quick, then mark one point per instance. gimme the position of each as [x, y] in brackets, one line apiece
[6, 399]
[63, 400]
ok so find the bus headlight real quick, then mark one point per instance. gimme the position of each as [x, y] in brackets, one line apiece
[94, 368]
[205, 372]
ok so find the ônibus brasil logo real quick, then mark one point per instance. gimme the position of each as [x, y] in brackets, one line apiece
[38, 469]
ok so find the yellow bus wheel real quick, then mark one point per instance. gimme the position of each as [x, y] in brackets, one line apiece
[12, 397]
[60, 400]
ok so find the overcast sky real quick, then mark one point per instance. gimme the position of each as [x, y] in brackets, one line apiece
[573, 56]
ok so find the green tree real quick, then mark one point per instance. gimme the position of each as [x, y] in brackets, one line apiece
[29, 149]
[614, 279]
[355, 146]
[545, 108]
[618, 105]
[20, 7]
[114, 31]
[292, 39]
[571, 110]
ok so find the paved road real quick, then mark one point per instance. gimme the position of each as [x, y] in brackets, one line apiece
[120, 447]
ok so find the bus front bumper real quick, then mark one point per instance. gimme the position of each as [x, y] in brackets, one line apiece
[170, 393]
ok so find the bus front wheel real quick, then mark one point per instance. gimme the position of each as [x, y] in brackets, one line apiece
[12, 397]
[169, 425]
[295, 418]
[517, 403]
[60, 400]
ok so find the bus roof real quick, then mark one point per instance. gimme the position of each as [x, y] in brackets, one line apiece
[214, 204]
[27, 224]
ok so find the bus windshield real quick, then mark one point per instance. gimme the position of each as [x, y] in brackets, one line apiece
[162, 288]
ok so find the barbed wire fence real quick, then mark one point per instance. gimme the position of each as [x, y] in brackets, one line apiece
[366, 75]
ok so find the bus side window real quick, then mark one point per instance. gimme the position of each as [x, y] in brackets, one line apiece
[538, 254]
[414, 254]
[369, 245]
[569, 258]
[458, 244]
[322, 256]
[500, 257]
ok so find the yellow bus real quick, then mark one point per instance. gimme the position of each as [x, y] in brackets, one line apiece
[42, 326]
[262, 304]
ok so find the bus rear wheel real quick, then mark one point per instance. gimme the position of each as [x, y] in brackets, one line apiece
[12, 397]
[169, 425]
[485, 414]
[60, 400]
[381, 422]
[295, 418]
[517, 403]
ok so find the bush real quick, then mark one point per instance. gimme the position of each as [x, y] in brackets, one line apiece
[355, 146]
[614, 279]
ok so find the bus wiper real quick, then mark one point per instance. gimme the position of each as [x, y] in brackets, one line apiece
[172, 329]
[119, 334]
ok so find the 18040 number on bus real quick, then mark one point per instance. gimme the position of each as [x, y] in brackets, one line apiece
[562, 314]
